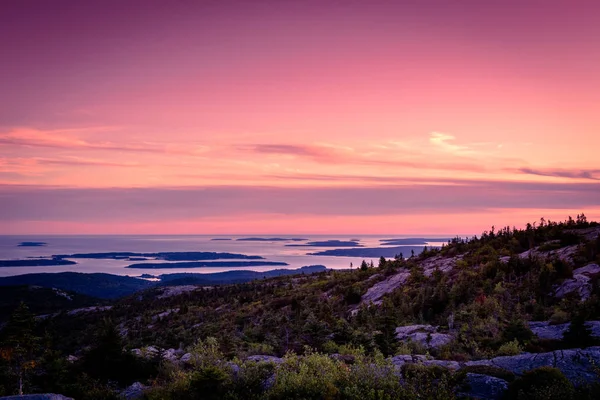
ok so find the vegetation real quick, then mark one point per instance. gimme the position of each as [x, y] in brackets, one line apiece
[333, 344]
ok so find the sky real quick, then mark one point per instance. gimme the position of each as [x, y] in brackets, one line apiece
[329, 117]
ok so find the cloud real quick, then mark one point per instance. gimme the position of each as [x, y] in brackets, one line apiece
[68, 139]
[444, 141]
[329, 154]
[35, 203]
[592, 174]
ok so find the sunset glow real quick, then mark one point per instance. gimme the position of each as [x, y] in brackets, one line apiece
[297, 117]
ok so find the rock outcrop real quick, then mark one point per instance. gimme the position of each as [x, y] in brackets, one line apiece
[426, 335]
[484, 387]
[581, 282]
[135, 391]
[264, 358]
[380, 289]
[578, 365]
[400, 360]
[544, 330]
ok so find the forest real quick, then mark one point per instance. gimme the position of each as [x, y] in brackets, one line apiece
[330, 334]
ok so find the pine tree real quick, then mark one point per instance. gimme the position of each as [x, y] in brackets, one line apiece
[578, 334]
[19, 347]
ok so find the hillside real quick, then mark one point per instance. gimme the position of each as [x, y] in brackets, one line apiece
[477, 313]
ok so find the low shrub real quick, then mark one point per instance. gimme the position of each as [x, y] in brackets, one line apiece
[545, 383]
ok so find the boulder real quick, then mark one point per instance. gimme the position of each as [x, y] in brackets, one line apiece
[400, 360]
[404, 331]
[265, 358]
[484, 387]
[187, 358]
[135, 391]
[172, 355]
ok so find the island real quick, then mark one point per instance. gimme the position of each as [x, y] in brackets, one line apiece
[44, 262]
[372, 252]
[166, 256]
[202, 264]
[221, 239]
[229, 277]
[328, 243]
[275, 239]
[32, 244]
[411, 241]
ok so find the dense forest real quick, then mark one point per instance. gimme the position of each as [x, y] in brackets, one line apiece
[327, 335]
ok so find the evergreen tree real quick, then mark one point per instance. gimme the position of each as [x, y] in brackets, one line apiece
[19, 346]
[578, 334]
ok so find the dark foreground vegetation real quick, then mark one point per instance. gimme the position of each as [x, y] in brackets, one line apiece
[334, 334]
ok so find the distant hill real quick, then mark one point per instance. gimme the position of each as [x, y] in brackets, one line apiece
[41, 300]
[108, 286]
[99, 285]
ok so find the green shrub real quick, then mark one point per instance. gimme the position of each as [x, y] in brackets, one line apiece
[211, 382]
[545, 383]
[510, 349]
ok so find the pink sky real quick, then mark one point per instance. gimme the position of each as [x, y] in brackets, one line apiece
[297, 116]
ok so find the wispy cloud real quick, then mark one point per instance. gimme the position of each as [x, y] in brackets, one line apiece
[71, 139]
[593, 174]
[341, 155]
[445, 142]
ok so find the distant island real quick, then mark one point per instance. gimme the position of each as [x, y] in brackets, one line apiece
[202, 264]
[229, 277]
[373, 252]
[329, 243]
[411, 241]
[32, 244]
[167, 256]
[35, 263]
[221, 239]
[276, 239]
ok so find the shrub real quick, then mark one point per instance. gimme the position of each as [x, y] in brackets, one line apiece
[510, 349]
[252, 380]
[559, 317]
[211, 382]
[545, 383]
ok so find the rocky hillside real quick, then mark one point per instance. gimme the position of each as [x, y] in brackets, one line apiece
[472, 317]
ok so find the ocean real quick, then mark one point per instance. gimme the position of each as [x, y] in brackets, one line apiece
[271, 250]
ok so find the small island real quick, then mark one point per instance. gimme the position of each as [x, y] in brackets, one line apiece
[32, 244]
[166, 256]
[372, 252]
[274, 239]
[45, 262]
[410, 241]
[328, 243]
[203, 264]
